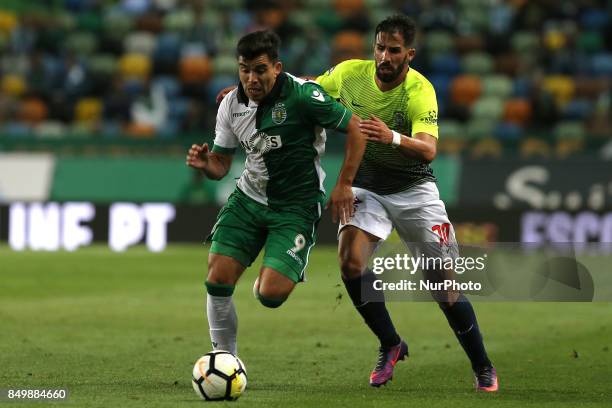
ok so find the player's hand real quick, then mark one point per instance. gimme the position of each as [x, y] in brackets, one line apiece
[341, 203]
[224, 92]
[376, 130]
[197, 156]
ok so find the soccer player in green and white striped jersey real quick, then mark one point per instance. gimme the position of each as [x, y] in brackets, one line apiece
[280, 121]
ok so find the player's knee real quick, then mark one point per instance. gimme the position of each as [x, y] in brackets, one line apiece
[350, 268]
[219, 279]
[223, 271]
[271, 299]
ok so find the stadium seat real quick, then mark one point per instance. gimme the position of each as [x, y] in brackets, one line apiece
[533, 147]
[589, 42]
[136, 66]
[602, 64]
[465, 89]
[218, 82]
[508, 131]
[8, 22]
[451, 129]
[554, 39]
[525, 42]
[568, 147]
[301, 18]
[150, 22]
[140, 131]
[441, 83]
[195, 69]
[140, 42]
[577, 109]
[488, 108]
[13, 85]
[33, 111]
[103, 65]
[169, 84]
[589, 87]
[480, 128]
[475, 16]
[347, 7]
[50, 130]
[117, 25]
[179, 20]
[468, 43]
[438, 42]
[453, 139]
[445, 63]
[477, 63]
[594, 18]
[135, 7]
[521, 87]
[499, 86]
[15, 129]
[569, 130]
[517, 110]
[560, 86]
[348, 45]
[88, 110]
[487, 148]
[81, 43]
[508, 63]
[89, 22]
[225, 64]
[133, 87]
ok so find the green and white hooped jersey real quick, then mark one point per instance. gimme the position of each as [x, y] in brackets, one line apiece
[283, 136]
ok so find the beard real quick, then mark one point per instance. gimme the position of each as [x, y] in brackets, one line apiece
[391, 75]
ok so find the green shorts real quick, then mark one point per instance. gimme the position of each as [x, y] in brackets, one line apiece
[245, 226]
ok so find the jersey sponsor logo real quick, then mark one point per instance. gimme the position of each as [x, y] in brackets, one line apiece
[240, 114]
[279, 113]
[300, 243]
[261, 142]
[356, 104]
[318, 96]
[399, 119]
[431, 118]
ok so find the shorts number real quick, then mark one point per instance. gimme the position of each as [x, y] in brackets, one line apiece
[443, 231]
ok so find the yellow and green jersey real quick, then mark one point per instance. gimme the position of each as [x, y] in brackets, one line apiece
[409, 108]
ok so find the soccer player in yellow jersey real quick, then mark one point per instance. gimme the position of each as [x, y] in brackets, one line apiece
[395, 188]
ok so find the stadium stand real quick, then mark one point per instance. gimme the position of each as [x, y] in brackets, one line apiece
[518, 75]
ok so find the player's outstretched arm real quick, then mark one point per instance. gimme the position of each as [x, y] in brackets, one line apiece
[420, 146]
[341, 198]
[214, 165]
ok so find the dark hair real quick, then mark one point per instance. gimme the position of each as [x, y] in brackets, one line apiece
[257, 43]
[400, 24]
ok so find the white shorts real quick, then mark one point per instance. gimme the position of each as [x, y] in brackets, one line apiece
[418, 215]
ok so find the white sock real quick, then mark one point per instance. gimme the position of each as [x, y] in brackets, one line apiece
[223, 322]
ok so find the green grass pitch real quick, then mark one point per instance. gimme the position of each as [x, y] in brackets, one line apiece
[123, 330]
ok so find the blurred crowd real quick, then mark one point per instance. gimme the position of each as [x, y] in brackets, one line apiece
[531, 74]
